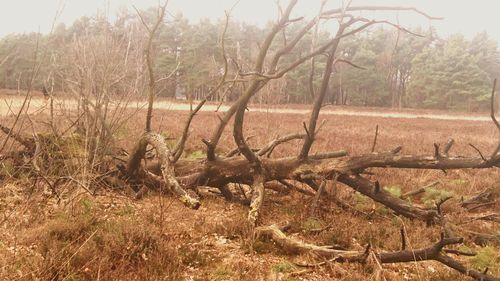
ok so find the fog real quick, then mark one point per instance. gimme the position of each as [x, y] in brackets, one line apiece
[466, 17]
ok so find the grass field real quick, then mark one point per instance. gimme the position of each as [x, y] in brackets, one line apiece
[111, 236]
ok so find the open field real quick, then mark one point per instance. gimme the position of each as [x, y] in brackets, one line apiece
[111, 236]
[11, 103]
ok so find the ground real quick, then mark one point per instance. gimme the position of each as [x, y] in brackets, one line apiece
[111, 236]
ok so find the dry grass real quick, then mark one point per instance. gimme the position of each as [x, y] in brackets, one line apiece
[112, 237]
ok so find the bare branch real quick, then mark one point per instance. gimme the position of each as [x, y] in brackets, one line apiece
[149, 60]
[350, 63]
[270, 146]
[255, 86]
[179, 148]
[492, 103]
[492, 114]
[328, 155]
[447, 147]
[321, 94]
[313, 46]
[380, 8]
[375, 139]
[478, 151]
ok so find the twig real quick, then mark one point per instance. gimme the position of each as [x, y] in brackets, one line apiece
[403, 239]
[418, 191]
[270, 146]
[441, 202]
[316, 199]
[482, 205]
[448, 146]
[375, 139]
[478, 151]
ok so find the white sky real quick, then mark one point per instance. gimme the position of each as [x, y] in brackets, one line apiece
[467, 17]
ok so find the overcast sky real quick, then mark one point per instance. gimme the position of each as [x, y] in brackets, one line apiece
[461, 16]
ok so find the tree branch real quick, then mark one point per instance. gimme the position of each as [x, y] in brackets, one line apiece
[179, 148]
[433, 252]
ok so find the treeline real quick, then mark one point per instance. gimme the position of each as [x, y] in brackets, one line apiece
[380, 67]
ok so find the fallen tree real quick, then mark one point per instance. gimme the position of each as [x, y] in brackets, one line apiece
[255, 166]
[251, 168]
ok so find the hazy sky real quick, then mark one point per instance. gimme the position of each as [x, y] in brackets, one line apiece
[467, 17]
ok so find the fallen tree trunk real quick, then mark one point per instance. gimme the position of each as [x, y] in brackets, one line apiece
[434, 252]
[238, 170]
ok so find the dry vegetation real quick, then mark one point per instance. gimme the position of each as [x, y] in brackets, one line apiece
[110, 236]
[94, 193]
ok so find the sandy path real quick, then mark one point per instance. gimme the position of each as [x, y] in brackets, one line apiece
[39, 104]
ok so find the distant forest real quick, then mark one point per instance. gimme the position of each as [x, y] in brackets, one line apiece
[387, 67]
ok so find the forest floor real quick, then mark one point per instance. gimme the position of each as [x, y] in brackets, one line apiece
[111, 236]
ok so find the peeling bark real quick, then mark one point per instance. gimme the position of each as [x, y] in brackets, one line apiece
[167, 170]
[257, 199]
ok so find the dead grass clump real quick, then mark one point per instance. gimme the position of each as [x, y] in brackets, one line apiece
[88, 247]
[233, 227]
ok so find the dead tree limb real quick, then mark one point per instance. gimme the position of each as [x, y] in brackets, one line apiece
[434, 252]
[447, 147]
[148, 138]
[313, 46]
[321, 95]
[260, 78]
[253, 88]
[417, 191]
[492, 105]
[379, 8]
[257, 199]
[328, 155]
[295, 188]
[179, 148]
[317, 196]
[494, 119]
[28, 143]
[167, 169]
[375, 139]
[399, 206]
[149, 60]
[295, 246]
[270, 146]
[238, 169]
